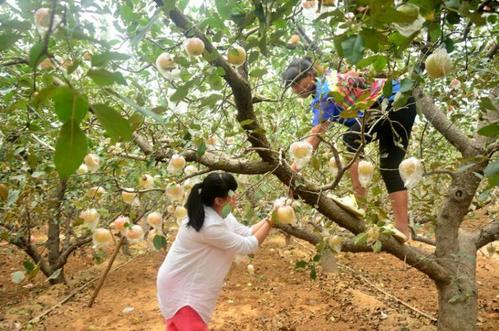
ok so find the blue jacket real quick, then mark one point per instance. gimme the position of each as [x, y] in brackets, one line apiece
[325, 109]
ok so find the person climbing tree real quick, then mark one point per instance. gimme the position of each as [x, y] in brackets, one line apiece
[341, 97]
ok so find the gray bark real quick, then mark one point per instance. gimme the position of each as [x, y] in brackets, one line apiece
[457, 299]
[53, 241]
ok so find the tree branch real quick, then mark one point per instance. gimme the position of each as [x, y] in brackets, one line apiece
[256, 135]
[70, 249]
[487, 234]
[238, 166]
[211, 161]
[346, 246]
[241, 88]
[33, 253]
[15, 61]
[440, 122]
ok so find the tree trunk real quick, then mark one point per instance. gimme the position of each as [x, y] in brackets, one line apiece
[457, 299]
[53, 240]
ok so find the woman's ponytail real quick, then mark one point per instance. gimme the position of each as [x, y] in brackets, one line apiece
[215, 185]
[195, 207]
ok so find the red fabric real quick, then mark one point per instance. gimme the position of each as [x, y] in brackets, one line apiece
[186, 319]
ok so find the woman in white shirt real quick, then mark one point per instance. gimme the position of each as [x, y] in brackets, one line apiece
[193, 272]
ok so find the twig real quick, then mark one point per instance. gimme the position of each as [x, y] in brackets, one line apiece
[108, 268]
[198, 173]
[356, 274]
[110, 264]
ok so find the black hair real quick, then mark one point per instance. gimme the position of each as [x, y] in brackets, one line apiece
[297, 69]
[215, 185]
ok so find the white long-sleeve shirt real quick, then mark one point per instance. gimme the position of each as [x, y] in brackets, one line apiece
[194, 269]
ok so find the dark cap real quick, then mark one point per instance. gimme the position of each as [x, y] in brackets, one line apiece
[296, 70]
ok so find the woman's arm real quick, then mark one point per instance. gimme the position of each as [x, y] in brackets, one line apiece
[264, 230]
[219, 235]
[257, 226]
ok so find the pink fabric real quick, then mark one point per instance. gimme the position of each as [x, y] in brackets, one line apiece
[186, 319]
[355, 89]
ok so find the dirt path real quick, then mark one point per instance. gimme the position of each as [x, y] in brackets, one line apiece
[276, 297]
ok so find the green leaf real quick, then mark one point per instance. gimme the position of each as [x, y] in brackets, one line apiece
[69, 105]
[301, 264]
[246, 122]
[486, 104]
[159, 110]
[103, 77]
[491, 130]
[136, 107]
[400, 101]
[372, 39]
[211, 100]
[313, 272]
[181, 92]
[32, 274]
[114, 124]
[223, 8]
[36, 54]
[28, 266]
[262, 44]
[136, 120]
[337, 14]
[454, 4]
[315, 163]
[353, 48]
[159, 242]
[406, 85]
[360, 239]
[387, 88]
[449, 45]
[227, 208]
[380, 63]
[377, 246]
[201, 149]
[366, 61]
[7, 40]
[99, 60]
[492, 169]
[17, 277]
[71, 148]
[258, 72]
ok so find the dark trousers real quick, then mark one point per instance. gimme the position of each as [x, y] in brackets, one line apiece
[393, 134]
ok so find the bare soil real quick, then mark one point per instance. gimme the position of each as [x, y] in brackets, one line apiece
[277, 297]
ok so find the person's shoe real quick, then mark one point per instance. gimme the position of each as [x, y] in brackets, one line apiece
[349, 203]
[396, 233]
[399, 235]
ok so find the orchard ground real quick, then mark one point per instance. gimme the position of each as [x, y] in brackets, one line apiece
[276, 297]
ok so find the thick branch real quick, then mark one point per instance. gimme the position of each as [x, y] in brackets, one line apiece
[487, 234]
[237, 166]
[53, 241]
[15, 61]
[347, 246]
[211, 161]
[440, 122]
[309, 43]
[32, 252]
[241, 88]
[70, 249]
